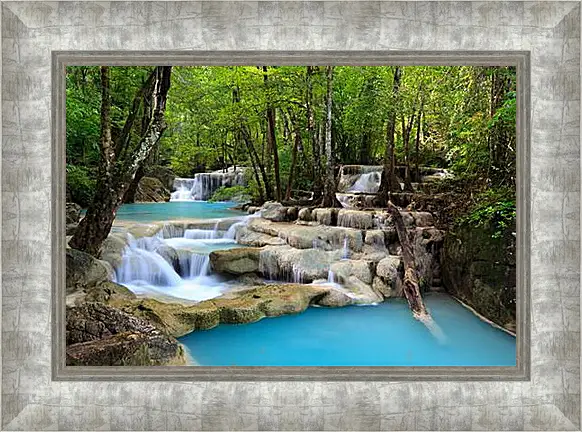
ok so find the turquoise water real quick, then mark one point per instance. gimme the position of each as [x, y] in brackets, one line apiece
[382, 335]
[149, 212]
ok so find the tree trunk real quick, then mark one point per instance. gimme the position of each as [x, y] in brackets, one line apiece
[406, 131]
[116, 174]
[329, 198]
[297, 144]
[417, 144]
[389, 183]
[317, 187]
[411, 288]
[272, 139]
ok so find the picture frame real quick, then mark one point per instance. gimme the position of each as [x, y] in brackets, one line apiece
[545, 397]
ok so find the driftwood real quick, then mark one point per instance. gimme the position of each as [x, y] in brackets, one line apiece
[411, 288]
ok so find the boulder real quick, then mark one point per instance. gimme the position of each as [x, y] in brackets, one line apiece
[247, 237]
[72, 213]
[113, 247]
[274, 211]
[355, 219]
[84, 270]
[298, 265]
[383, 288]
[101, 335]
[304, 214]
[308, 236]
[238, 307]
[151, 189]
[389, 268]
[375, 238]
[164, 174]
[363, 270]
[127, 349]
[235, 261]
[325, 216]
[292, 213]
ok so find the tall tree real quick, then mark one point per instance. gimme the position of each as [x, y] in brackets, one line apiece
[389, 182]
[119, 163]
[311, 129]
[329, 198]
[272, 138]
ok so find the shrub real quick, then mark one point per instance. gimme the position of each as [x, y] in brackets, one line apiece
[80, 185]
[232, 193]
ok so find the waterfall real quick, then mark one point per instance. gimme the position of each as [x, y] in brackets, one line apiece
[200, 234]
[141, 263]
[331, 277]
[203, 185]
[367, 182]
[345, 249]
[244, 220]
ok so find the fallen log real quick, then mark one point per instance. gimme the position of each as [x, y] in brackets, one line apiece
[411, 288]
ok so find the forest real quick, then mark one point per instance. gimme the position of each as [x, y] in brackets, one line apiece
[341, 146]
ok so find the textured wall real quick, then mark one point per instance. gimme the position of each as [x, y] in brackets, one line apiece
[551, 400]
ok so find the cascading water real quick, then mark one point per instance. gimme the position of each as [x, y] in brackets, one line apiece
[203, 185]
[178, 265]
[345, 249]
[367, 182]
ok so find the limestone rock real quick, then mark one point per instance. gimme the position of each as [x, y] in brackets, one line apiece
[304, 214]
[151, 189]
[101, 335]
[113, 247]
[360, 269]
[375, 238]
[84, 270]
[247, 237]
[274, 211]
[389, 267]
[355, 219]
[235, 261]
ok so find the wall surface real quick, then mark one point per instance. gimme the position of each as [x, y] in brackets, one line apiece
[31, 30]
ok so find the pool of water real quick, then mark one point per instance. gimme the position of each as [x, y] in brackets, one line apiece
[149, 212]
[382, 335]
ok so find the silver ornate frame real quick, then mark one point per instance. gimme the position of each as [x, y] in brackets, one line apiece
[337, 32]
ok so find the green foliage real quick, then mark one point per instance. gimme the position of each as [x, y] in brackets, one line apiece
[494, 208]
[80, 184]
[231, 193]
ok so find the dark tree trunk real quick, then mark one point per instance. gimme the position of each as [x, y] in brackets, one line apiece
[365, 149]
[116, 174]
[389, 183]
[417, 145]
[411, 288]
[406, 131]
[329, 198]
[317, 186]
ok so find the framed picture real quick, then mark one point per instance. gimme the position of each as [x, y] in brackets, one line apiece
[372, 220]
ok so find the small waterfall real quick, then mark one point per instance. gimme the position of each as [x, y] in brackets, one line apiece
[200, 234]
[203, 185]
[141, 263]
[367, 182]
[297, 275]
[331, 277]
[345, 249]
[232, 230]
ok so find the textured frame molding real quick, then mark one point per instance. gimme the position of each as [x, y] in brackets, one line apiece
[550, 31]
[60, 371]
